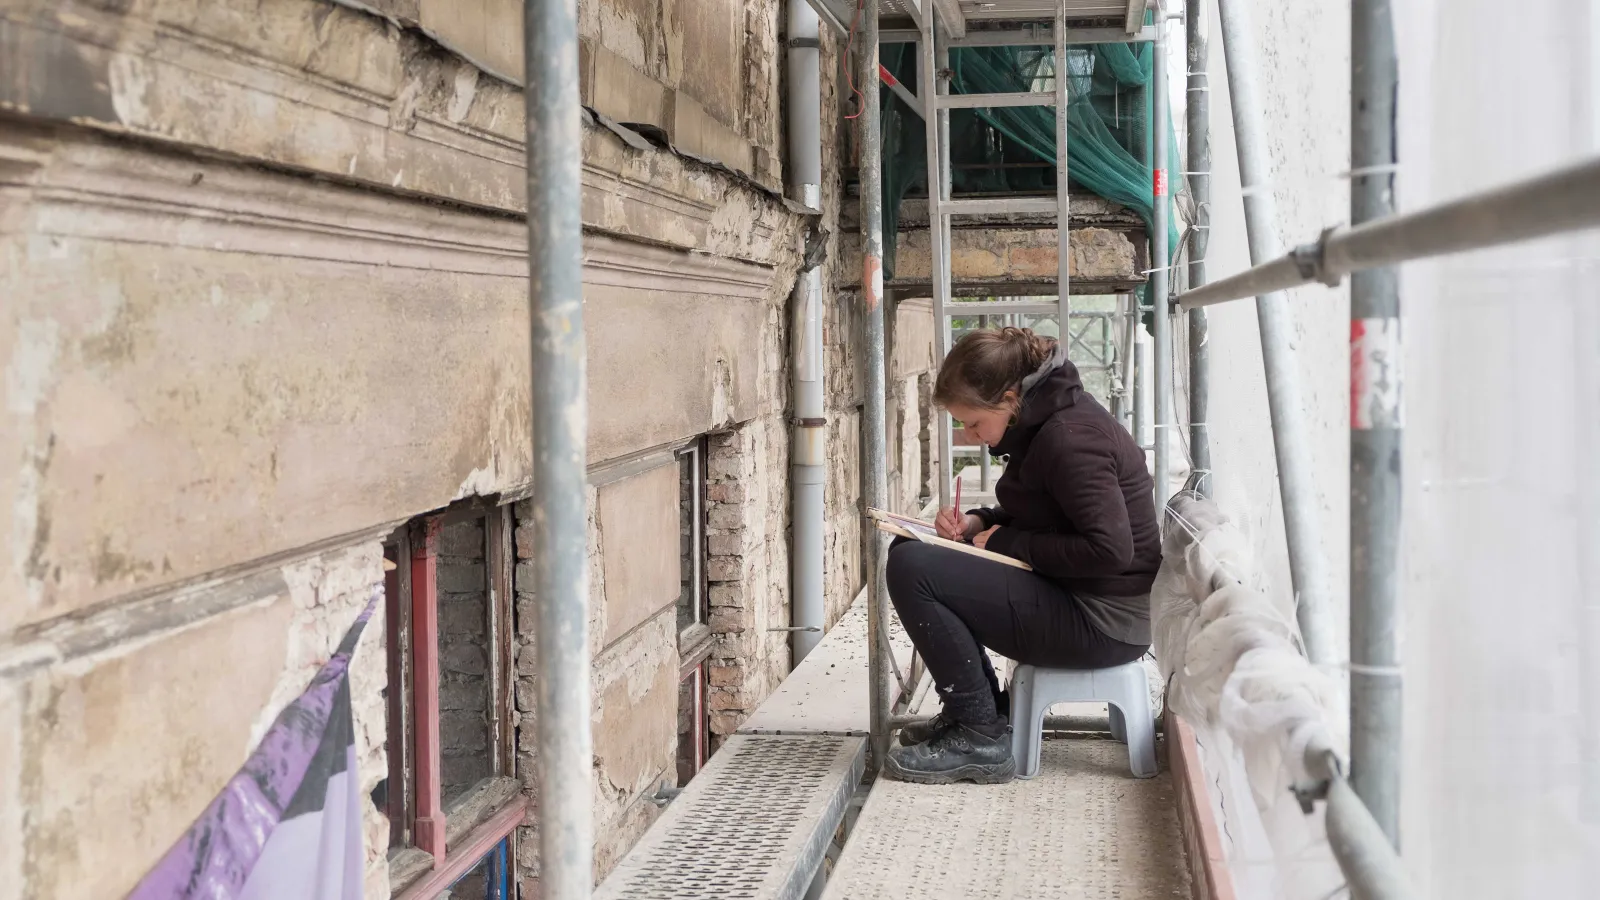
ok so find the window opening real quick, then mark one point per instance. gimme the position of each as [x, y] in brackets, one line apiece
[694, 634]
[450, 737]
[692, 534]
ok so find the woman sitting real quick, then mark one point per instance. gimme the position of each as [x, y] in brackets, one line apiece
[1075, 503]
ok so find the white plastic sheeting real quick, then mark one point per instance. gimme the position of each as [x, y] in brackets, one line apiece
[1235, 670]
[1501, 793]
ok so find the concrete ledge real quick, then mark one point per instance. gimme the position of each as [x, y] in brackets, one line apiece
[827, 692]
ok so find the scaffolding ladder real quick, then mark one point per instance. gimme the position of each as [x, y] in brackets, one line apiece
[934, 89]
[935, 40]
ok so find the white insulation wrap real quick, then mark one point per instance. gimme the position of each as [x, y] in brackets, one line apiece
[1235, 670]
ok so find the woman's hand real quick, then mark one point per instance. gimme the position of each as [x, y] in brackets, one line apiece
[983, 537]
[952, 525]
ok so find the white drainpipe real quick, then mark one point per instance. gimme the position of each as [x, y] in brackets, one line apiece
[810, 424]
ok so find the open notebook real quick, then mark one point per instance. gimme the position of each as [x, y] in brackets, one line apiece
[917, 529]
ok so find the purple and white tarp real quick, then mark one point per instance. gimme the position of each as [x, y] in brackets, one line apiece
[288, 825]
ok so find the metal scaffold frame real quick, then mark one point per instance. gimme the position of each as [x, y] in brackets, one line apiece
[934, 37]
[1563, 201]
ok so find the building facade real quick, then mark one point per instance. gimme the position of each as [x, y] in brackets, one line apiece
[265, 342]
[266, 329]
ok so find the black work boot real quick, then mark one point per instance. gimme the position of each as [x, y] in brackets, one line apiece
[957, 753]
[924, 731]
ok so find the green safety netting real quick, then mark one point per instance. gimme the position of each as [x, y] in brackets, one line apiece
[1013, 149]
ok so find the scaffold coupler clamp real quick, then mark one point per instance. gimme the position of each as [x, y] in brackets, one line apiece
[1312, 259]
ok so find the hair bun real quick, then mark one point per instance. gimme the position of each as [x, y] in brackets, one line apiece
[1037, 348]
[987, 364]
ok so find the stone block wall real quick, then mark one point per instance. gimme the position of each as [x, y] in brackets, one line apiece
[912, 369]
[1000, 260]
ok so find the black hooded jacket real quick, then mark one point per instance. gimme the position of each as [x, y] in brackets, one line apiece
[1075, 500]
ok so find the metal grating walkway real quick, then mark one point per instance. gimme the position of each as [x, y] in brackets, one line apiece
[753, 825]
[1084, 828]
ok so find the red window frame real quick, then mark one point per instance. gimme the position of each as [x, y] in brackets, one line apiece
[415, 802]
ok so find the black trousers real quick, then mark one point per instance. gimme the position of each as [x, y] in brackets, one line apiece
[953, 605]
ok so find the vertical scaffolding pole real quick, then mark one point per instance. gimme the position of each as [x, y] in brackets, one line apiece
[1130, 339]
[1160, 261]
[560, 426]
[1308, 562]
[873, 415]
[1198, 171]
[1063, 187]
[936, 58]
[1140, 402]
[1375, 430]
[935, 120]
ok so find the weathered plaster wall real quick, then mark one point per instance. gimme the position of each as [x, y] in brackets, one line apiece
[331, 89]
[288, 436]
[843, 376]
[125, 261]
[633, 570]
[139, 715]
[219, 369]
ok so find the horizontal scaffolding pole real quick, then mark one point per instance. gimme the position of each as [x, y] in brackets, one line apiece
[1002, 307]
[993, 101]
[1031, 35]
[1564, 200]
[1371, 867]
[982, 206]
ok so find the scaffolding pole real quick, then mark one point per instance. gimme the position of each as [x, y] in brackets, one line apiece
[1561, 201]
[1370, 865]
[1063, 85]
[560, 424]
[873, 420]
[1308, 558]
[1160, 261]
[933, 58]
[1375, 430]
[1198, 172]
[1130, 339]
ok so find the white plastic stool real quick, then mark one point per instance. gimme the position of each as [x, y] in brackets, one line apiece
[1125, 688]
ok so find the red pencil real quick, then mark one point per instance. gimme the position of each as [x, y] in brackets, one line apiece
[958, 502]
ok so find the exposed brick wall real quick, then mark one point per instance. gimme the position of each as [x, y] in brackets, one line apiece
[748, 569]
[463, 658]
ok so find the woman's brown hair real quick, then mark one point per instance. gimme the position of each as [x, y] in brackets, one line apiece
[982, 366]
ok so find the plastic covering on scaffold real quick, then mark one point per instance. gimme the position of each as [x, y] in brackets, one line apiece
[1235, 671]
[1013, 149]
